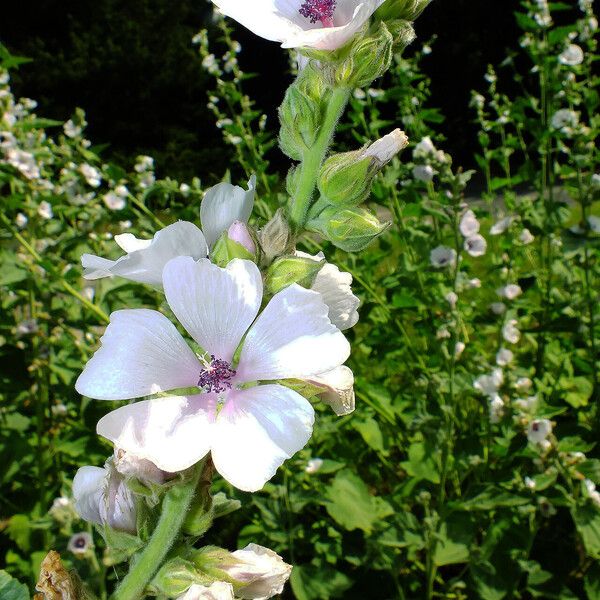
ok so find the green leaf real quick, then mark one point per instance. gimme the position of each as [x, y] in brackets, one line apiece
[310, 582]
[12, 589]
[453, 540]
[421, 462]
[592, 582]
[371, 432]
[490, 499]
[587, 521]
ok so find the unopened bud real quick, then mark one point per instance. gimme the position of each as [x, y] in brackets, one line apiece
[384, 149]
[402, 9]
[350, 229]
[275, 237]
[292, 269]
[236, 242]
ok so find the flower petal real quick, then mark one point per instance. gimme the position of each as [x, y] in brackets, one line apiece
[257, 429]
[172, 432]
[142, 353]
[215, 305]
[146, 259]
[292, 338]
[219, 590]
[222, 205]
[88, 488]
[339, 389]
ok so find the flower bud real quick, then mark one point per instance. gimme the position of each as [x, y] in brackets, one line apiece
[345, 179]
[291, 269]
[236, 242]
[275, 237]
[402, 32]
[350, 229]
[402, 9]
[338, 389]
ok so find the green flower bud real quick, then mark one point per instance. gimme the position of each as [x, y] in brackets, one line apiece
[291, 269]
[401, 9]
[345, 179]
[351, 229]
[370, 58]
[275, 238]
[176, 576]
[236, 242]
[402, 32]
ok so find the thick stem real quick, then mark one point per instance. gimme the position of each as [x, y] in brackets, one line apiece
[309, 169]
[176, 504]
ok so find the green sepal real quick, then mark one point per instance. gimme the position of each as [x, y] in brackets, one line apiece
[291, 269]
[401, 9]
[350, 229]
[200, 515]
[176, 576]
[225, 250]
[345, 179]
[306, 389]
[120, 545]
[222, 505]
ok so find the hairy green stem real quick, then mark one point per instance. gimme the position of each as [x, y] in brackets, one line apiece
[176, 504]
[313, 158]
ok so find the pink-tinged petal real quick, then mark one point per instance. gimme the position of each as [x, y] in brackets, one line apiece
[145, 259]
[257, 429]
[216, 306]
[292, 338]
[88, 489]
[222, 205]
[173, 432]
[142, 353]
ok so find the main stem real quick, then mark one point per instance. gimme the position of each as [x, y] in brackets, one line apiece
[176, 504]
[313, 158]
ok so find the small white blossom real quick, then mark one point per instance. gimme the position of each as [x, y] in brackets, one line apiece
[529, 483]
[539, 430]
[527, 405]
[469, 225]
[21, 220]
[510, 291]
[593, 494]
[80, 544]
[564, 120]
[459, 348]
[474, 283]
[498, 308]
[489, 384]
[313, 465]
[496, 408]
[526, 237]
[504, 357]
[502, 225]
[510, 332]
[114, 201]
[475, 245]
[423, 173]
[442, 256]
[571, 56]
[91, 175]
[523, 384]
[451, 298]
[71, 130]
[45, 210]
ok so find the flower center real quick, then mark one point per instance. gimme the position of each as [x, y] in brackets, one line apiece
[216, 376]
[319, 10]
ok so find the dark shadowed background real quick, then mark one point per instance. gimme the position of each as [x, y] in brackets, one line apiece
[131, 66]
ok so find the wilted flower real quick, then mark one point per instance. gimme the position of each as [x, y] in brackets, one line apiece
[145, 259]
[442, 256]
[510, 291]
[313, 465]
[80, 543]
[539, 430]
[323, 24]
[469, 225]
[475, 245]
[385, 148]
[249, 431]
[262, 572]
[219, 590]
[504, 357]
[510, 332]
[571, 56]
[102, 497]
[130, 465]
[423, 172]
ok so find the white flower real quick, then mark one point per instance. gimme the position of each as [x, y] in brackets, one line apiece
[459, 348]
[504, 357]
[510, 332]
[526, 237]
[323, 24]
[469, 225]
[529, 483]
[262, 571]
[510, 291]
[442, 256]
[451, 298]
[424, 148]
[496, 408]
[498, 308]
[62, 510]
[523, 384]
[27, 327]
[21, 220]
[91, 175]
[593, 494]
[45, 210]
[527, 405]
[219, 590]
[114, 201]
[313, 465]
[423, 172]
[502, 225]
[102, 497]
[385, 148]
[474, 283]
[80, 543]
[539, 430]
[564, 120]
[335, 288]
[24, 162]
[144, 163]
[571, 56]
[249, 431]
[145, 259]
[489, 384]
[71, 130]
[338, 386]
[476, 245]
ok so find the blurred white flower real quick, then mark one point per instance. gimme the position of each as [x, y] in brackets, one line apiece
[262, 572]
[474, 283]
[423, 173]
[475, 245]
[469, 225]
[527, 405]
[24, 162]
[510, 291]
[489, 384]
[45, 210]
[564, 120]
[114, 201]
[526, 237]
[313, 465]
[594, 223]
[71, 130]
[91, 175]
[21, 220]
[459, 348]
[62, 510]
[510, 332]
[498, 308]
[529, 483]
[451, 298]
[502, 225]
[592, 493]
[539, 430]
[442, 256]
[504, 357]
[80, 544]
[523, 384]
[322, 24]
[219, 590]
[144, 163]
[496, 408]
[571, 56]
[249, 431]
